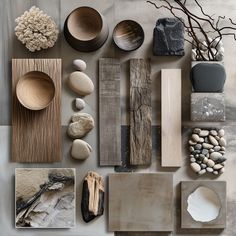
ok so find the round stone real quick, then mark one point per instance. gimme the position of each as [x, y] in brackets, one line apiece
[202, 172]
[195, 137]
[217, 148]
[204, 151]
[223, 148]
[198, 146]
[191, 142]
[205, 160]
[221, 133]
[79, 65]
[192, 159]
[196, 167]
[82, 124]
[80, 150]
[215, 172]
[79, 103]
[210, 163]
[222, 170]
[213, 140]
[209, 169]
[201, 140]
[222, 142]
[203, 166]
[80, 83]
[217, 167]
[215, 156]
[191, 156]
[201, 157]
[213, 132]
[204, 133]
[211, 150]
[197, 131]
[221, 159]
[207, 146]
[191, 149]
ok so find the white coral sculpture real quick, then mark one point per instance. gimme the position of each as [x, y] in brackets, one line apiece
[36, 30]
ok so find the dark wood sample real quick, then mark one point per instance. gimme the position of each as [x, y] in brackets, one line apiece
[109, 112]
[140, 112]
[36, 135]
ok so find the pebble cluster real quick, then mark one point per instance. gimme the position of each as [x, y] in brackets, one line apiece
[207, 151]
[216, 47]
[81, 123]
[36, 30]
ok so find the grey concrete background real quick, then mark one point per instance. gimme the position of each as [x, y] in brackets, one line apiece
[114, 11]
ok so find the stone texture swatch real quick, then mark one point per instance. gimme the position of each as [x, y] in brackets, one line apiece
[168, 37]
[208, 107]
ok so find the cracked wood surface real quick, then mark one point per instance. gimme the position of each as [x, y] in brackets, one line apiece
[140, 112]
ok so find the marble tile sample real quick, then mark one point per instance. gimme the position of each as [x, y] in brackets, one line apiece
[187, 188]
[36, 135]
[109, 112]
[140, 112]
[208, 107]
[140, 202]
[171, 138]
[45, 197]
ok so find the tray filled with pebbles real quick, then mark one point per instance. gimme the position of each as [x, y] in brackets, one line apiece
[207, 151]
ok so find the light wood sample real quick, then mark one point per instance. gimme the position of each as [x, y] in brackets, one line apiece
[36, 135]
[188, 187]
[140, 112]
[171, 139]
[140, 202]
[109, 112]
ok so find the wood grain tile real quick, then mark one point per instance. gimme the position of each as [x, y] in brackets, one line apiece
[36, 135]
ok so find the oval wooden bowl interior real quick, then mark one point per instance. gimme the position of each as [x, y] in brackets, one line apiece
[35, 90]
[85, 23]
[128, 35]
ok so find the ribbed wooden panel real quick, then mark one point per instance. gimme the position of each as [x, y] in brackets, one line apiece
[140, 112]
[109, 112]
[36, 135]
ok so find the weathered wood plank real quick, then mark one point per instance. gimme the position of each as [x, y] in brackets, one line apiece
[109, 112]
[36, 135]
[171, 140]
[140, 112]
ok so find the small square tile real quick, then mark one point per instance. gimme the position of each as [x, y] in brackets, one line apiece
[208, 107]
[187, 188]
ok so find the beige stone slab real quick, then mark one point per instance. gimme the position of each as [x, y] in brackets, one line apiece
[140, 202]
[188, 187]
[171, 154]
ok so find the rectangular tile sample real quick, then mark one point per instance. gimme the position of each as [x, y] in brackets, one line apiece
[218, 188]
[46, 199]
[109, 112]
[140, 202]
[171, 138]
[208, 107]
[36, 135]
[140, 112]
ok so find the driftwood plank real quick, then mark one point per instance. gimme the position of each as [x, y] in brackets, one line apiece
[171, 140]
[36, 135]
[109, 112]
[140, 112]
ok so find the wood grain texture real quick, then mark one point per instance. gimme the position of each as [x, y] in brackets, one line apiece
[140, 112]
[140, 202]
[109, 112]
[187, 188]
[171, 139]
[36, 135]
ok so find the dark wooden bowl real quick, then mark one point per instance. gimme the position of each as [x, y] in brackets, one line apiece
[35, 90]
[128, 35]
[85, 29]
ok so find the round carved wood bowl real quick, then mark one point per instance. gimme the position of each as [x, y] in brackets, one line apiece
[128, 35]
[85, 29]
[35, 90]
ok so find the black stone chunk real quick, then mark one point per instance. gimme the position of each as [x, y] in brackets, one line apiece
[93, 185]
[168, 37]
[208, 77]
